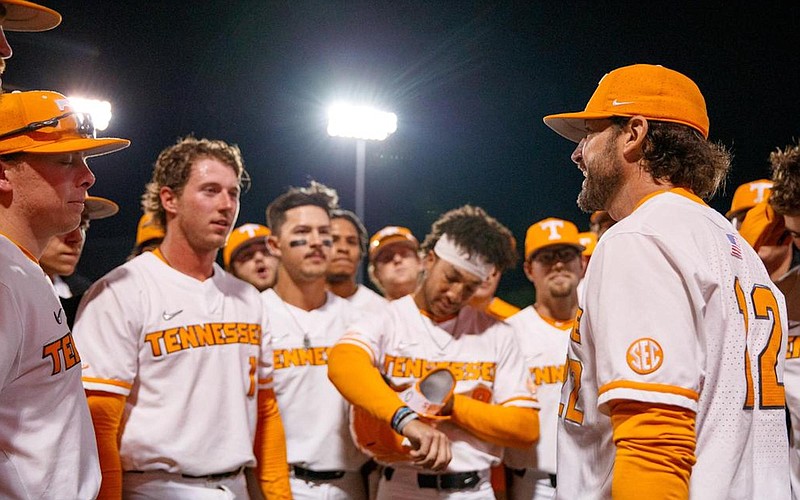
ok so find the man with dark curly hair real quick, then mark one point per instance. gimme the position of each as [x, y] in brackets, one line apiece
[488, 403]
[676, 362]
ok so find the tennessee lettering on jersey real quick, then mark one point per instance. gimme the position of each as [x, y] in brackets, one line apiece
[793, 349]
[165, 342]
[62, 353]
[553, 374]
[404, 367]
[302, 356]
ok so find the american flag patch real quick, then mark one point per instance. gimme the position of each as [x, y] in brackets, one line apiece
[736, 250]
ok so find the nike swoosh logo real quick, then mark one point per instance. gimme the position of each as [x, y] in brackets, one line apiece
[620, 103]
[58, 317]
[168, 316]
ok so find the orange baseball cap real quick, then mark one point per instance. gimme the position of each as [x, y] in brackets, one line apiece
[589, 241]
[391, 235]
[549, 232]
[655, 92]
[749, 195]
[239, 237]
[148, 229]
[22, 15]
[40, 121]
[96, 207]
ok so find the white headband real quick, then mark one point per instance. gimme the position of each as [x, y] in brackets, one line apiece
[447, 250]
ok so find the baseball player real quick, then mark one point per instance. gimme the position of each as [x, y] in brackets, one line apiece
[553, 264]
[177, 367]
[149, 234]
[746, 197]
[62, 253]
[21, 15]
[394, 265]
[46, 440]
[305, 320]
[432, 328]
[349, 238]
[247, 256]
[676, 361]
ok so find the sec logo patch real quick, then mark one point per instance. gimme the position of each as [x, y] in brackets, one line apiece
[644, 356]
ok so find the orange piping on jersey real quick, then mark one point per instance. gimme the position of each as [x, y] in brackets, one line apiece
[686, 193]
[500, 309]
[655, 450]
[106, 410]
[640, 386]
[437, 320]
[513, 426]
[116, 383]
[270, 448]
[157, 253]
[558, 323]
[350, 369]
[360, 343]
[22, 248]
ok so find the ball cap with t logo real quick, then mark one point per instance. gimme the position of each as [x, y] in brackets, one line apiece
[655, 92]
[549, 232]
[22, 15]
[239, 237]
[44, 122]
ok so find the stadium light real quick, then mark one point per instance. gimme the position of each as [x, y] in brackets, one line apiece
[100, 111]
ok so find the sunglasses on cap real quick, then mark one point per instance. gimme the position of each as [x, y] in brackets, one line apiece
[550, 257]
[85, 126]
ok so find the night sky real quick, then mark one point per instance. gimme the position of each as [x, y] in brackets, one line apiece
[469, 82]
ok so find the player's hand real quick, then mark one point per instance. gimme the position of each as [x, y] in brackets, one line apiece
[430, 447]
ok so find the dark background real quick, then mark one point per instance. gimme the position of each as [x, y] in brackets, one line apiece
[469, 81]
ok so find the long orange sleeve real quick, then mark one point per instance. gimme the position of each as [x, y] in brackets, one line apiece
[655, 450]
[512, 426]
[351, 371]
[106, 409]
[270, 449]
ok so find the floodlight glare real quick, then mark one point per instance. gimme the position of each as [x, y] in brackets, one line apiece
[100, 111]
[360, 122]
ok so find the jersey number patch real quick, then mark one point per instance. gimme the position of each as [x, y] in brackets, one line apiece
[765, 307]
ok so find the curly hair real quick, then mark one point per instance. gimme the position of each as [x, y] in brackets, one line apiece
[339, 213]
[680, 155]
[316, 194]
[475, 231]
[785, 197]
[174, 166]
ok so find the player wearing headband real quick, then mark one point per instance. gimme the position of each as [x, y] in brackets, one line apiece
[432, 328]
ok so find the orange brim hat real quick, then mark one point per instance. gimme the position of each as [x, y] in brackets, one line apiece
[589, 241]
[391, 235]
[549, 232]
[22, 115]
[148, 229]
[96, 207]
[239, 237]
[22, 15]
[655, 92]
[749, 195]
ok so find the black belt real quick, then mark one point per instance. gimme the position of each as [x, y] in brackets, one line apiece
[454, 481]
[317, 475]
[521, 473]
[208, 477]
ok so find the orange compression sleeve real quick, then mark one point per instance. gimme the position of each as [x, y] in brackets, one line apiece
[106, 409]
[350, 369]
[655, 450]
[270, 449]
[512, 426]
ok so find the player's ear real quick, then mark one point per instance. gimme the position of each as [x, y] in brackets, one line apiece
[169, 199]
[6, 167]
[272, 245]
[635, 132]
[527, 266]
[428, 261]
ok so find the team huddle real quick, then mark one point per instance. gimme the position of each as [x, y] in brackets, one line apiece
[659, 359]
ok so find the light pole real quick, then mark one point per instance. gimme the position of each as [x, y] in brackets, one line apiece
[363, 124]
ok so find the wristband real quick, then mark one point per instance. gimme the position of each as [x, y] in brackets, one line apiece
[401, 417]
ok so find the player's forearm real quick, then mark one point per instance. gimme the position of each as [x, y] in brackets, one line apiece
[351, 371]
[270, 449]
[512, 426]
[655, 450]
[106, 410]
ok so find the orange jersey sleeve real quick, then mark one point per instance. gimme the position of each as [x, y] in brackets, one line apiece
[512, 426]
[270, 449]
[106, 410]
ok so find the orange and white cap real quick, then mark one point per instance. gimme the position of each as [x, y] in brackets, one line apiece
[655, 92]
[589, 241]
[148, 229]
[40, 121]
[391, 235]
[549, 232]
[22, 15]
[239, 237]
[749, 195]
[96, 207]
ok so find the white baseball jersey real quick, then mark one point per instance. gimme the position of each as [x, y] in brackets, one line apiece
[314, 413]
[544, 348]
[678, 310]
[367, 300]
[189, 356]
[792, 384]
[479, 350]
[47, 444]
